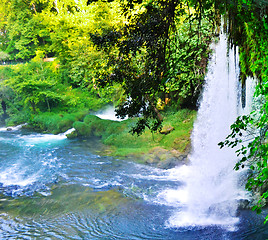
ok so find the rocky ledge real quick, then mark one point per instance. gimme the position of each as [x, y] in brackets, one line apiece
[166, 159]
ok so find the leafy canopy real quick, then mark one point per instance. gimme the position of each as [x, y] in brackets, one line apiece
[147, 61]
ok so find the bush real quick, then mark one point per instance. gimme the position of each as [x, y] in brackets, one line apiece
[4, 56]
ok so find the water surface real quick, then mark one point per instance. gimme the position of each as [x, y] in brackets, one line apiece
[55, 188]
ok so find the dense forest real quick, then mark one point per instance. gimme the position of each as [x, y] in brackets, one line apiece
[64, 59]
[129, 54]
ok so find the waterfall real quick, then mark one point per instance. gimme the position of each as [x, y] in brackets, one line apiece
[109, 114]
[211, 187]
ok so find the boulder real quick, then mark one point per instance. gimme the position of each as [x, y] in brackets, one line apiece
[167, 130]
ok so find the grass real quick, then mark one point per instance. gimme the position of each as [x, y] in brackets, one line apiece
[55, 122]
[116, 134]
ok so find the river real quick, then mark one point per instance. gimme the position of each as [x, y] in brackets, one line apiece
[55, 188]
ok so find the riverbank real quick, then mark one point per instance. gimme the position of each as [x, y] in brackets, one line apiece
[164, 149]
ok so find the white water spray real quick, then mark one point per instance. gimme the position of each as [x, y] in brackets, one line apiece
[15, 128]
[211, 191]
[109, 114]
[35, 139]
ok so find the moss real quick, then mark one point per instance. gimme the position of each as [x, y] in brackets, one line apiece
[65, 124]
[72, 135]
[51, 122]
[83, 129]
[116, 134]
[90, 118]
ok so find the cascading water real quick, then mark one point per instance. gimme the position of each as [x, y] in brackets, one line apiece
[109, 114]
[23, 172]
[211, 192]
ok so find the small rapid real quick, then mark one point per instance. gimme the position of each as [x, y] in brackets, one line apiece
[109, 113]
[25, 161]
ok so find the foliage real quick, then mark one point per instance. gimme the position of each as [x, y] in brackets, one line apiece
[148, 63]
[4, 56]
[35, 30]
[51, 26]
[248, 26]
[116, 134]
[188, 55]
[34, 88]
[140, 49]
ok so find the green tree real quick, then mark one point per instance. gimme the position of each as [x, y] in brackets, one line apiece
[4, 57]
[36, 86]
[146, 53]
[24, 28]
[4, 7]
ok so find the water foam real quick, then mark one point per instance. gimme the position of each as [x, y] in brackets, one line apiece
[22, 171]
[15, 176]
[108, 114]
[15, 128]
[33, 139]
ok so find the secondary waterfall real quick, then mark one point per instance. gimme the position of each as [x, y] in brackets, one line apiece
[211, 188]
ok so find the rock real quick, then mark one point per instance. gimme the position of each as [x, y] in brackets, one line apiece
[167, 130]
[9, 129]
[165, 159]
[173, 162]
[72, 135]
[243, 204]
[152, 159]
[83, 129]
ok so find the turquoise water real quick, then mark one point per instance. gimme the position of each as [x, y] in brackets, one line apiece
[55, 188]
